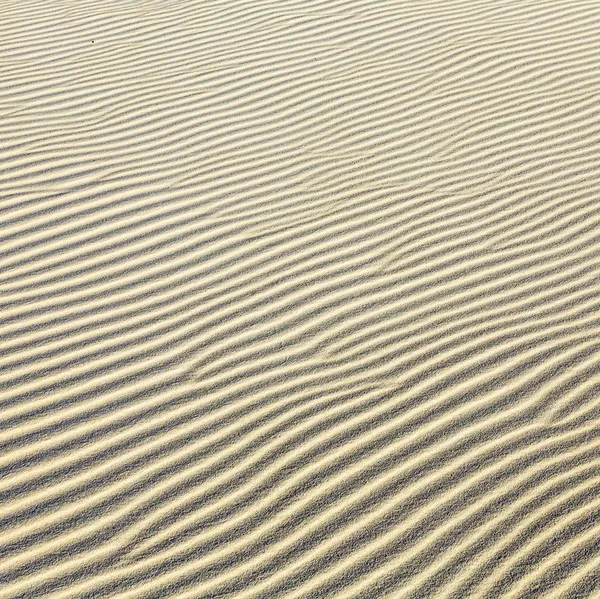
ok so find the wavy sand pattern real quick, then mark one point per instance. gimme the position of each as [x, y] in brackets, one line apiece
[299, 299]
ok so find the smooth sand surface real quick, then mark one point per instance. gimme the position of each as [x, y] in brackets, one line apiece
[299, 299]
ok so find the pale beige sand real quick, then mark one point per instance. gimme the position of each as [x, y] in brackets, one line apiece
[299, 299]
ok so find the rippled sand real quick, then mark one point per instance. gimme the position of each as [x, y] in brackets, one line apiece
[299, 299]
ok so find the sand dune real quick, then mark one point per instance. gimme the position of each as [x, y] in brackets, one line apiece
[299, 299]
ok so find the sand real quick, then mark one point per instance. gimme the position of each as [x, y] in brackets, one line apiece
[299, 299]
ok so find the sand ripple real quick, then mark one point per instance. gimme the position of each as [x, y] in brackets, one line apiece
[299, 299]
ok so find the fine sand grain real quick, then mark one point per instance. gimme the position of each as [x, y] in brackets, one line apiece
[299, 299]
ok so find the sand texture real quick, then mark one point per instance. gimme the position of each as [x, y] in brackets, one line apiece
[299, 299]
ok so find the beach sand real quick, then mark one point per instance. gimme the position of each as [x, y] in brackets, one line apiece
[299, 299]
